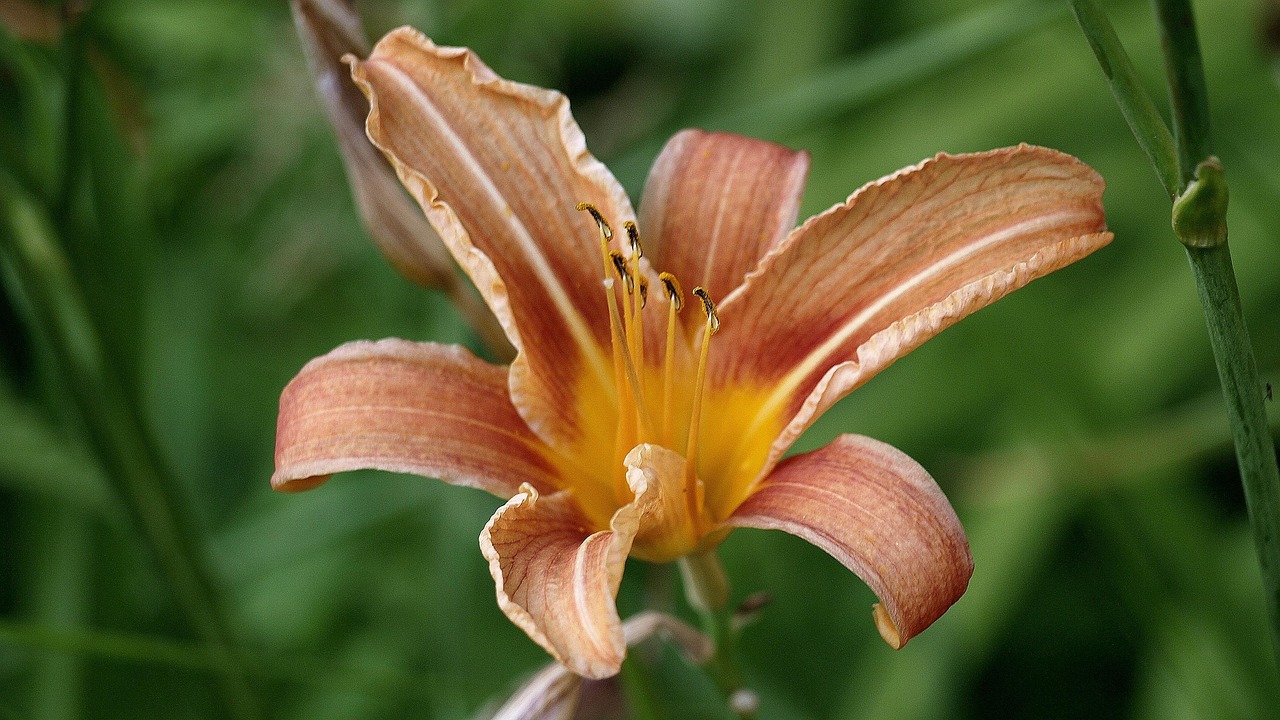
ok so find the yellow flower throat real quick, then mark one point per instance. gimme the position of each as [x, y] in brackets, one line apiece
[655, 405]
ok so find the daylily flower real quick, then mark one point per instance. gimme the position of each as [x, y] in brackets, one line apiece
[640, 421]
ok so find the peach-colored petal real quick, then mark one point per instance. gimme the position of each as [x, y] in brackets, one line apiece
[905, 257]
[657, 477]
[499, 168]
[394, 405]
[880, 514]
[557, 580]
[715, 203]
[551, 694]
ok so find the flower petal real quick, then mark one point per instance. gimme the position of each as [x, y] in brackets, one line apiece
[551, 694]
[905, 257]
[421, 408]
[330, 29]
[657, 477]
[715, 203]
[499, 168]
[557, 580]
[880, 514]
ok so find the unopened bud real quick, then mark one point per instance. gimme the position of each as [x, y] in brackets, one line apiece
[1200, 212]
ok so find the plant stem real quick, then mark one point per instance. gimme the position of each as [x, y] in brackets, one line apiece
[706, 587]
[1242, 389]
[61, 596]
[1199, 219]
[637, 686]
[1187, 91]
[1215, 279]
[1135, 104]
[35, 264]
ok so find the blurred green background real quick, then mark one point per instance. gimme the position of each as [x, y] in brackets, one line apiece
[175, 153]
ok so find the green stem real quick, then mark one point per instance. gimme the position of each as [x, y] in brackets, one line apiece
[1187, 91]
[62, 599]
[1135, 104]
[1242, 388]
[34, 263]
[1215, 279]
[637, 686]
[120, 647]
[1199, 219]
[706, 587]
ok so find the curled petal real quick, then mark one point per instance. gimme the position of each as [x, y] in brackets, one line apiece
[902, 259]
[557, 580]
[715, 203]
[551, 694]
[422, 408]
[880, 514]
[499, 168]
[657, 477]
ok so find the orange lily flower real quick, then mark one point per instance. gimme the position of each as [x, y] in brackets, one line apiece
[638, 421]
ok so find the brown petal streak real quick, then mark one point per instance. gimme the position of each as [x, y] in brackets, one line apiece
[880, 514]
[715, 203]
[420, 408]
[556, 579]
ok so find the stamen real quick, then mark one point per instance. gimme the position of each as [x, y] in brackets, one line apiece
[605, 231]
[633, 234]
[628, 364]
[671, 287]
[620, 265]
[708, 307]
[635, 323]
[623, 432]
[692, 490]
[675, 301]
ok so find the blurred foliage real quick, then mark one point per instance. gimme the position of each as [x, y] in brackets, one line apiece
[178, 151]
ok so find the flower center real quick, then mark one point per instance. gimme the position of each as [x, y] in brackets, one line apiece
[657, 403]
